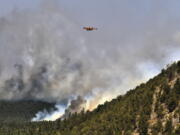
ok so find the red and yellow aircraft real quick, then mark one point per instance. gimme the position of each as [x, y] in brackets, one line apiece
[89, 28]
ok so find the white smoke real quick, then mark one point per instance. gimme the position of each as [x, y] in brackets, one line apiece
[74, 106]
[50, 116]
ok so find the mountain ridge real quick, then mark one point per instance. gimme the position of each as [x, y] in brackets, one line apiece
[22, 110]
[152, 108]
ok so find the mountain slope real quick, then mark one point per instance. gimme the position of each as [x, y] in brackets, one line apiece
[19, 111]
[152, 108]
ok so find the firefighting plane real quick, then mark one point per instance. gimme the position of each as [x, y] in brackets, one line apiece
[89, 28]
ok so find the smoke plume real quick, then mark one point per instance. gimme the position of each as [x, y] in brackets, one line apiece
[76, 106]
[45, 55]
[63, 112]
[50, 116]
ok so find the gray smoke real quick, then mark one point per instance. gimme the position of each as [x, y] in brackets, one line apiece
[76, 106]
[56, 60]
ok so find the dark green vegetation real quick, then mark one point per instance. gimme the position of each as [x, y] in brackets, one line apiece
[21, 111]
[150, 108]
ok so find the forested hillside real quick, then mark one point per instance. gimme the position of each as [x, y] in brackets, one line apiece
[21, 111]
[149, 109]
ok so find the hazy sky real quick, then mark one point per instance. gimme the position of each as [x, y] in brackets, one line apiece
[111, 16]
[105, 11]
